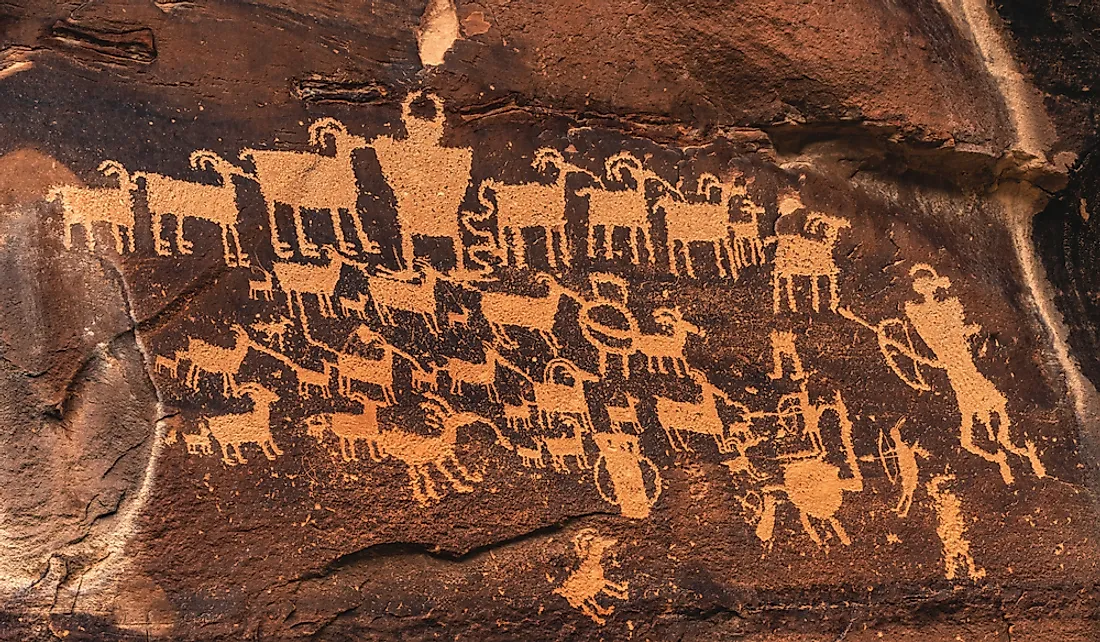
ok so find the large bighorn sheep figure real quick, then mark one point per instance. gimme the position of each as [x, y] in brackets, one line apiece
[528, 205]
[85, 206]
[184, 199]
[706, 222]
[305, 180]
[798, 255]
[428, 180]
[627, 208]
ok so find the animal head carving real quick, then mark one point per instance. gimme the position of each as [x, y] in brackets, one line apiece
[926, 281]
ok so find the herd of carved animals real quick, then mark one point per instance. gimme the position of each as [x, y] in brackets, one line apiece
[429, 182]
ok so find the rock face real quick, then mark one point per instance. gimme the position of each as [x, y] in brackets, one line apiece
[542, 320]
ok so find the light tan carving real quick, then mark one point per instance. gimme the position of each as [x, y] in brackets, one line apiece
[609, 340]
[296, 279]
[206, 358]
[783, 346]
[356, 306]
[501, 309]
[588, 581]
[183, 199]
[416, 295]
[797, 255]
[899, 460]
[561, 393]
[570, 445]
[375, 372]
[86, 206]
[306, 180]
[477, 374]
[518, 417]
[274, 331]
[952, 530]
[622, 416]
[530, 457]
[232, 431]
[678, 417]
[261, 289]
[428, 180]
[627, 208]
[621, 457]
[312, 380]
[698, 222]
[347, 427]
[198, 444]
[658, 347]
[165, 364]
[748, 246]
[531, 205]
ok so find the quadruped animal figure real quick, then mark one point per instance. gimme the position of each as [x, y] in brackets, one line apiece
[216, 204]
[308, 180]
[628, 208]
[589, 581]
[659, 348]
[707, 222]
[702, 417]
[348, 427]
[531, 205]
[797, 255]
[233, 430]
[86, 206]
[206, 358]
[560, 394]
[502, 310]
[412, 293]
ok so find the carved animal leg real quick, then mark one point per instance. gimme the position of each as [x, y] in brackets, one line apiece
[344, 449]
[415, 483]
[834, 301]
[338, 228]
[365, 242]
[268, 446]
[306, 247]
[67, 241]
[240, 256]
[775, 293]
[129, 238]
[617, 590]
[591, 240]
[808, 527]
[230, 260]
[790, 294]
[906, 501]
[282, 250]
[455, 482]
[587, 609]
[565, 249]
[226, 457]
[815, 295]
[840, 532]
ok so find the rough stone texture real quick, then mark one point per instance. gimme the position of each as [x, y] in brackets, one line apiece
[894, 153]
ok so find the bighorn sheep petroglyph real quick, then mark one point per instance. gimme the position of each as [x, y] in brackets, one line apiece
[212, 359]
[305, 180]
[183, 199]
[531, 205]
[748, 246]
[253, 427]
[797, 255]
[417, 296]
[571, 445]
[706, 222]
[627, 208]
[501, 309]
[86, 206]
[347, 427]
[561, 392]
[296, 279]
[658, 347]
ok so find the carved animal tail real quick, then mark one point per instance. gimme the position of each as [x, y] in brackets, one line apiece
[482, 196]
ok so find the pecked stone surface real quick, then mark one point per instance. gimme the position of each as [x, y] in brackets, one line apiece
[730, 328]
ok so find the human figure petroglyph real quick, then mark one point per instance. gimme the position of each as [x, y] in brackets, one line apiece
[657, 348]
[622, 459]
[184, 199]
[86, 206]
[797, 255]
[589, 581]
[347, 427]
[610, 340]
[560, 394]
[698, 222]
[815, 486]
[627, 208]
[702, 417]
[951, 528]
[416, 296]
[232, 431]
[501, 310]
[307, 180]
[940, 322]
[783, 346]
[296, 279]
[531, 205]
[262, 288]
[903, 455]
[205, 358]
[428, 180]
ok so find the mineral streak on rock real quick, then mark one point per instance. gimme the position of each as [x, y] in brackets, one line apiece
[526, 320]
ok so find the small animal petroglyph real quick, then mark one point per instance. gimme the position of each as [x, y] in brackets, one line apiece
[296, 279]
[169, 366]
[561, 393]
[347, 427]
[588, 581]
[797, 255]
[502, 310]
[211, 359]
[952, 530]
[306, 180]
[184, 199]
[570, 445]
[86, 206]
[261, 289]
[416, 296]
[702, 417]
[198, 444]
[274, 331]
[233, 430]
[783, 346]
[354, 307]
[622, 416]
[657, 348]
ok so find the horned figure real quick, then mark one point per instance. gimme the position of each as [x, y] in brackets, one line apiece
[231, 431]
[531, 205]
[627, 208]
[416, 296]
[561, 393]
[748, 247]
[797, 255]
[183, 199]
[86, 206]
[347, 427]
[690, 222]
[588, 581]
[212, 359]
[306, 180]
[501, 310]
[656, 348]
[678, 417]
[428, 180]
